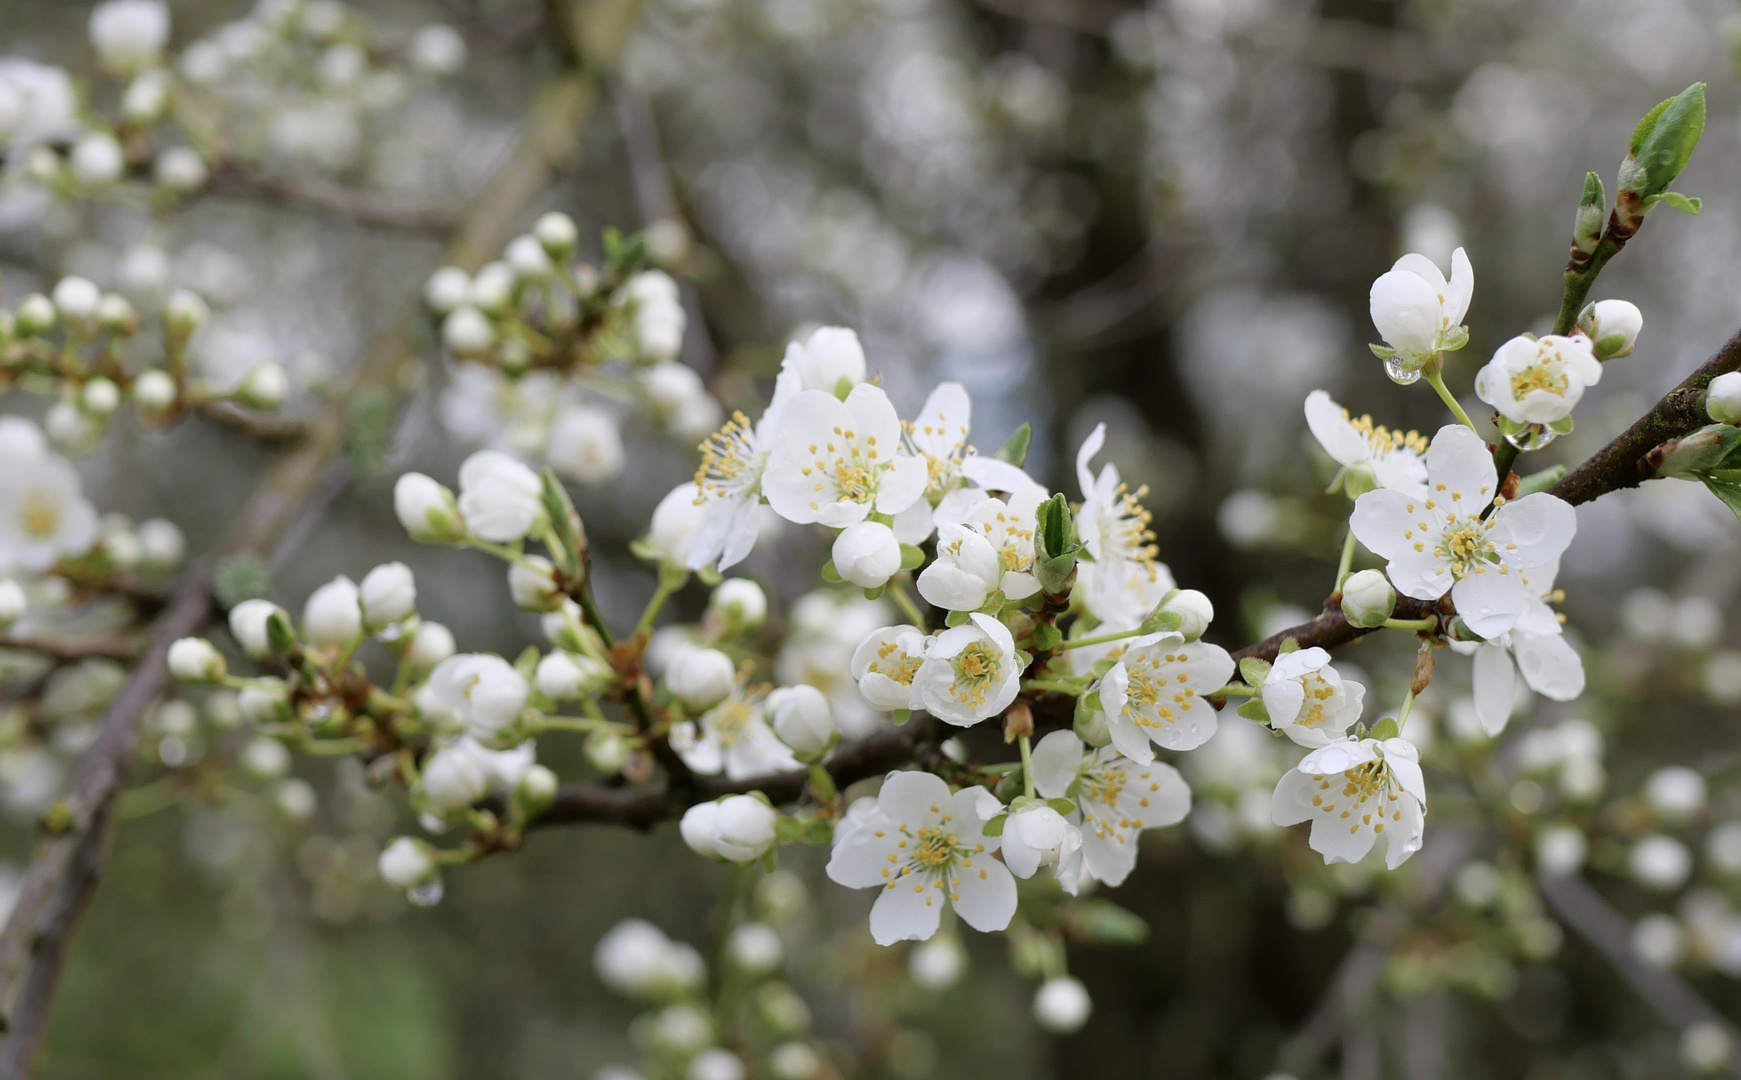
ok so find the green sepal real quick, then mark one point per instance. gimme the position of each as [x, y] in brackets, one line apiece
[1162, 622]
[1046, 637]
[955, 618]
[842, 387]
[1384, 729]
[1454, 338]
[1383, 352]
[1540, 481]
[876, 593]
[527, 662]
[1608, 345]
[817, 831]
[993, 604]
[994, 827]
[1015, 448]
[900, 716]
[1562, 426]
[786, 829]
[1254, 671]
[568, 538]
[1288, 645]
[770, 860]
[1063, 806]
[1011, 786]
[280, 635]
[911, 557]
[645, 550]
[830, 574]
[710, 576]
[1252, 709]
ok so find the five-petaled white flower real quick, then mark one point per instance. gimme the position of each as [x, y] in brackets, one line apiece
[1419, 313]
[836, 461]
[886, 663]
[1123, 581]
[1353, 793]
[1534, 380]
[1116, 799]
[1370, 455]
[1008, 524]
[43, 513]
[734, 460]
[971, 672]
[1442, 544]
[965, 572]
[1308, 700]
[923, 846]
[1158, 690]
[939, 436]
[733, 737]
[1549, 664]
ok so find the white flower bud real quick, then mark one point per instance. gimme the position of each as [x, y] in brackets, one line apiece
[468, 332]
[430, 645]
[1062, 1005]
[154, 391]
[697, 829]
[532, 584]
[427, 510]
[671, 386]
[794, 1061]
[715, 1064]
[264, 759]
[295, 799]
[406, 863]
[1723, 402]
[564, 676]
[97, 159]
[193, 659]
[454, 779]
[145, 98]
[128, 34]
[447, 289]
[262, 703]
[527, 258]
[743, 829]
[69, 428]
[493, 287]
[500, 499]
[116, 315]
[607, 751]
[1706, 1048]
[264, 387]
[101, 397]
[586, 445]
[1612, 327]
[937, 964]
[740, 602]
[333, 616]
[185, 311]
[755, 948]
[76, 299]
[1194, 610]
[558, 233]
[248, 625]
[1560, 850]
[1659, 941]
[537, 787]
[35, 315]
[867, 554]
[180, 169]
[1367, 599]
[701, 678]
[388, 594]
[803, 719]
[1675, 792]
[42, 165]
[675, 520]
[437, 49]
[13, 602]
[1660, 862]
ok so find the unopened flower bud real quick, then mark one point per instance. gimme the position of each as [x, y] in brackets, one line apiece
[430, 645]
[428, 510]
[437, 49]
[697, 829]
[145, 98]
[96, 159]
[607, 752]
[803, 720]
[116, 315]
[100, 397]
[447, 289]
[264, 759]
[194, 660]
[263, 703]
[264, 387]
[557, 232]
[1676, 793]
[564, 676]
[184, 312]
[701, 678]
[248, 626]
[525, 254]
[740, 602]
[1194, 610]
[867, 554]
[743, 829]
[493, 288]
[13, 603]
[154, 391]
[76, 299]
[180, 169]
[1612, 327]
[755, 948]
[406, 863]
[333, 616]
[36, 314]
[1723, 401]
[1062, 1005]
[161, 544]
[454, 779]
[388, 594]
[1367, 599]
[537, 788]
[532, 584]
[468, 332]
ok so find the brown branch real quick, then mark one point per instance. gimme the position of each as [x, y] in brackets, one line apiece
[71, 652]
[1623, 463]
[266, 427]
[333, 200]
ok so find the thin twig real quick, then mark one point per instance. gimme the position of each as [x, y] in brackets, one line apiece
[361, 207]
[71, 652]
[266, 427]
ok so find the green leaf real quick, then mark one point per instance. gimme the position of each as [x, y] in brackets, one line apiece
[1669, 132]
[1726, 486]
[1054, 532]
[567, 536]
[1046, 637]
[786, 829]
[1592, 215]
[911, 557]
[1688, 204]
[246, 577]
[1094, 921]
[1254, 671]
[1015, 448]
[1712, 447]
[994, 827]
[1645, 126]
[817, 832]
[1540, 481]
[1254, 710]
[1010, 786]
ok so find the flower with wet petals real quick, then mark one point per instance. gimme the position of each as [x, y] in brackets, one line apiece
[733, 737]
[1371, 455]
[1533, 380]
[1547, 661]
[1355, 793]
[1308, 700]
[971, 672]
[835, 462]
[1419, 313]
[886, 664]
[1158, 691]
[1116, 799]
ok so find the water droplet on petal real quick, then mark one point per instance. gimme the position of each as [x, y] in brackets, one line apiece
[427, 894]
[1400, 373]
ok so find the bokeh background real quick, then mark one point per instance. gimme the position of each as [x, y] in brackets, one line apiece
[1163, 217]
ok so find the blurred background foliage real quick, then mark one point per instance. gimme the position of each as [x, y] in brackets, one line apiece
[1163, 217]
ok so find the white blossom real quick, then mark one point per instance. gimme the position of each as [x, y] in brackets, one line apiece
[476, 691]
[636, 958]
[1036, 835]
[430, 644]
[939, 436]
[1370, 454]
[500, 498]
[1157, 690]
[564, 676]
[446, 289]
[1195, 612]
[732, 737]
[1723, 400]
[676, 523]
[1660, 862]
[13, 603]
[454, 779]
[971, 672]
[1367, 598]
[129, 34]
[388, 594]
[1612, 327]
[1116, 799]
[1123, 582]
[734, 461]
[803, 719]
[1441, 543]
[659, 318]
[248, 625]
[701, 678]
[834, 461]
[1062, 1005]
[923, 846]
[333, 615]
[696, 828]
[1419, 313]
[1308, 700]
[868, 555]
[437, 49]
[743, 828]
[1549, 664]
[43, 513]
[37, 103]
[825, 358]
[194, 660]
[406, 863]
[586, 445]
[966, 571]
[886, 665]
[1538, 380]
[1355, 792]
[740, 602]
[1008, 525]
[96, 159]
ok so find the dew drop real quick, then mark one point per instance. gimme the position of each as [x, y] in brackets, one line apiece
[427, 894]
[1532, 437]
[1400, 373]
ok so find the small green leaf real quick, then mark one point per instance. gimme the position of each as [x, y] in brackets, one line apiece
[994, 827]
[1664, 140]
[1688, 204]
[566, 535]
[1046, 637]
[280, 635]
[876, 593]
[1011, 786]
[1726, 486]
[244, 577]
[1288, 645]
[1015, 448]
[1254, 710]
[911, 557]
[1540, 481]
[900, 716]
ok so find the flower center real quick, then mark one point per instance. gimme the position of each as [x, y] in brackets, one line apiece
[1382, 440]
[41, 516]
[1319, 693]
[731, 462]
[975, 668]
[1539, 377]
[936, 848]
[1125, 526]
[853, 469]
[730, 721]
[1465, 545]
[902, 669]
[1362, 785]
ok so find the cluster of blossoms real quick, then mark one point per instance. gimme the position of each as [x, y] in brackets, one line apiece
[293, 86]
[548, 350]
